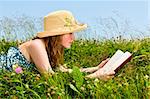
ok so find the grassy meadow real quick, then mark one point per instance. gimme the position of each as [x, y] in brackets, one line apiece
[131, 82]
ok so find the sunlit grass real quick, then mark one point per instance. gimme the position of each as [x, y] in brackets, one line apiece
[131, 82]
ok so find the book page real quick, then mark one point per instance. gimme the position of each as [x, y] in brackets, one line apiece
[112, 60]
[122, 59]
[119, 61]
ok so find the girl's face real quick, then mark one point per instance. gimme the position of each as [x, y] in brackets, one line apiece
[67, 40]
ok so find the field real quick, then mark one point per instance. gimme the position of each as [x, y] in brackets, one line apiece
[131, 82]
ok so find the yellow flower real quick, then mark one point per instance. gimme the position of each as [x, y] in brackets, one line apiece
[15, 66]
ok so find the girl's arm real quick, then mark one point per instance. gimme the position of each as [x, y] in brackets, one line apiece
[89, 69]
[39, 56]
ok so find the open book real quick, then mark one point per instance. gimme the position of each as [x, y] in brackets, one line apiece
[118, 60]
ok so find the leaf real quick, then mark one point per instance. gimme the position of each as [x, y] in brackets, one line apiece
[16, 80]
[27, 86]
[18, 88]
[77, 76]
[74, 88]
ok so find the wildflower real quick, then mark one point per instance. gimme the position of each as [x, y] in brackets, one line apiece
[49, 89]
[146, 76]
[82, 88]
[17, 68]
[37, 77]
[120, 85]
[48, 94]
[73, 81]
[53, 92]
[7, 92]
[126, 84]
[52, 87]
[96, 80]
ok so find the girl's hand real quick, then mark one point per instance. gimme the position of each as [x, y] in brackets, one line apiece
[93, 69]
[103, 63]
[99, 74]
[107, 76]
[89, 70]
[64, 69]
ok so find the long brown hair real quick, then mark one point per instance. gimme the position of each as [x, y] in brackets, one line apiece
[54, 49]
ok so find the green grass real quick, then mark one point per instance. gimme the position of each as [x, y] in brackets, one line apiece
[131, 82]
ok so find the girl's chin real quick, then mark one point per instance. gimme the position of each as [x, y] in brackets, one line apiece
[68, 47]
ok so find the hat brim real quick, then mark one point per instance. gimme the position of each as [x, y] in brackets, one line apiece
[60, 31]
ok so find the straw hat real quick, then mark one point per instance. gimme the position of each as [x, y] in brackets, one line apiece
[60, 22]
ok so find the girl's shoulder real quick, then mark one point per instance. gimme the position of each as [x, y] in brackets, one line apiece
[37, 42]
[38, 45]
[25, 48]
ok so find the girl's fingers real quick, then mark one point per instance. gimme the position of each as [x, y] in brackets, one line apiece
[110, 77]
[111, 73]
[107, 59]
[103, 63]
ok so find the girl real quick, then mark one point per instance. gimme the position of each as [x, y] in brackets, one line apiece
[47, 48]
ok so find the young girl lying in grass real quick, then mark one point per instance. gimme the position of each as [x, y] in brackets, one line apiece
[46, 50]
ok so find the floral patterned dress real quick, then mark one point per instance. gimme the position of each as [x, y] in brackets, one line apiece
[13, 57]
